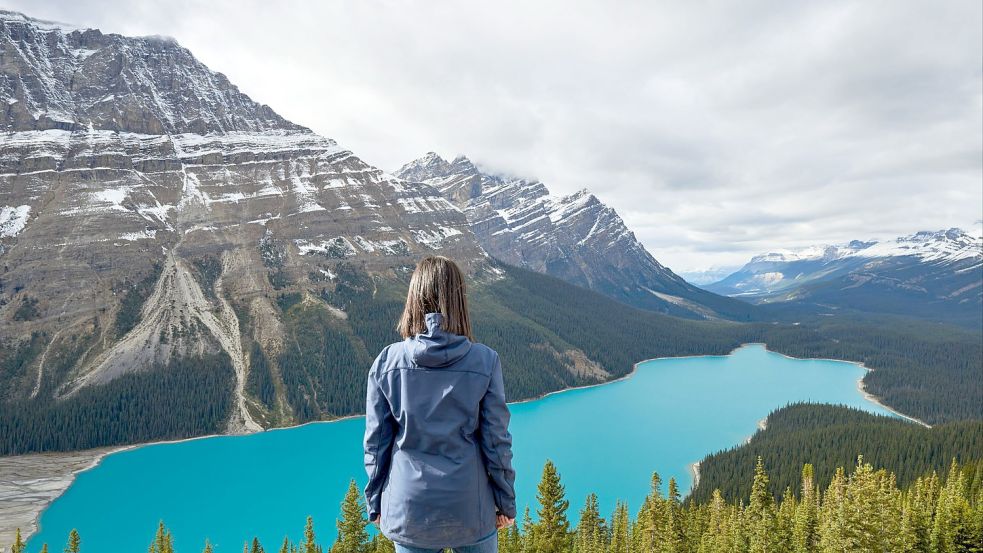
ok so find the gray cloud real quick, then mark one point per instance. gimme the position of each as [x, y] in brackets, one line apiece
[716, 130]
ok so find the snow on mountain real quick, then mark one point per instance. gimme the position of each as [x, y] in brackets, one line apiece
[944, 245]
[123, 159]
[932, 273]
[574, 237]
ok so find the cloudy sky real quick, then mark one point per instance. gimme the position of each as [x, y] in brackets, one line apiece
[717, 130]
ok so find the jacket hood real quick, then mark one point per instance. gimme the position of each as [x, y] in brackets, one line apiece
[436, 347]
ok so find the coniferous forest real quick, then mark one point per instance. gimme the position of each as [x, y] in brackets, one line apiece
[925, 370]
[862, 510]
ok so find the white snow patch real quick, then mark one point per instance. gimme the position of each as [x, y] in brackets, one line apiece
[338, 247]
[134, 236]
[434, 238]
[13, 220]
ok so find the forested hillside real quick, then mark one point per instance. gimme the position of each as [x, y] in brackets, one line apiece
[550, 335]
[860, 512]
[830, 436]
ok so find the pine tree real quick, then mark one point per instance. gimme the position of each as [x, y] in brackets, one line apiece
[760, 513]
[529, 533]
[256, 547]
[804, 531]
[381, 544]
[352, 535]
[208, 547]
[74, 542]
[309, 545]
[650, 521]
[163, 541]
[949, 513]
[18, 546]
[551, 534]
[285, 547]
[44, 548]
[672, 536]
[717, 536]
[509, 539]
[620, 529]
[590, 528]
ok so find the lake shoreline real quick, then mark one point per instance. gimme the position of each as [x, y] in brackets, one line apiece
[42, 503]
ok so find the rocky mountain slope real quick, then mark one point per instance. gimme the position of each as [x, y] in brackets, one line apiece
[149, 211]
[937, 275]
[177, 259]
[576, 238]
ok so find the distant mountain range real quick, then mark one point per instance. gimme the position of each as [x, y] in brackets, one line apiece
[936, 275]
[576, 238]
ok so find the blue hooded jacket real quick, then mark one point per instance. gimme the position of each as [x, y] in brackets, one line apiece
[438, 451]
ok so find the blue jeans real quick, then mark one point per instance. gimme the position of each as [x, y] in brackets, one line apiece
[487, 544]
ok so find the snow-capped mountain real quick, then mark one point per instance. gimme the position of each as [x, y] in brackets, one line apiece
[148, 205]
[576, 237]
[937, 274]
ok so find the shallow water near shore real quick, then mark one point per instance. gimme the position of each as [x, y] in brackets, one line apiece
[607, 439]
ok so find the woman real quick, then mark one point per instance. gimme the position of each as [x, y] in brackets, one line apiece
[438, 451]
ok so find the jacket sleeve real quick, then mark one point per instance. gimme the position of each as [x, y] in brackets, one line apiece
[496, 442]
[378, 443]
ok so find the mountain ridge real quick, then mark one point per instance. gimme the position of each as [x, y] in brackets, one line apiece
[575, 237]
[928, 274]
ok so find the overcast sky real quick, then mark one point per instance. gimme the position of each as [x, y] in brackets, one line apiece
[717, 130]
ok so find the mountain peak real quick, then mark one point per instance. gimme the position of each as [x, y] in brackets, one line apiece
[423, 168]
[144, 85]
[574, 237]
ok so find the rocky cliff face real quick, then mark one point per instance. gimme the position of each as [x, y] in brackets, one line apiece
[150, 207]
[576, 238]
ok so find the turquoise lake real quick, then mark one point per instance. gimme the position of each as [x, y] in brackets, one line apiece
[608, 439]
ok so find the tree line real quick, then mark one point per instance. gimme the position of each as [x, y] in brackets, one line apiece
[863, 511]
[830, 436]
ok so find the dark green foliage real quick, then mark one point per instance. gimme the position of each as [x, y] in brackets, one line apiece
[259, 380]
[612, 333]
[207, 271]
[323, 365]
[15, 362]
[926, 370]
[288, 300]
[27, 310]
[830, 436]
[134, 297]
[188, 397]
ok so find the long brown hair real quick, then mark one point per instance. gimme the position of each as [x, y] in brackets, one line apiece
[437, 286]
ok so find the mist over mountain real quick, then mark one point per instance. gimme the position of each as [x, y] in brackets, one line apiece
[575, 237]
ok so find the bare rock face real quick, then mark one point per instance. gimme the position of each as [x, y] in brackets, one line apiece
[148, 202]
[576, 238]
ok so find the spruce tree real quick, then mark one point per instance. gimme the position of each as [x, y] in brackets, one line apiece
[309, 545]
[208, 547]
[44, 548]
[285, 547]
[163, 541]
[760, 513]
[509, 539]
[352, 535]
[256, 547]
[528, 533]
[18, 546]
[590, 528]
[804, 531]
[620, 529]
[552, 527]
[381, 544]
[74, 542]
